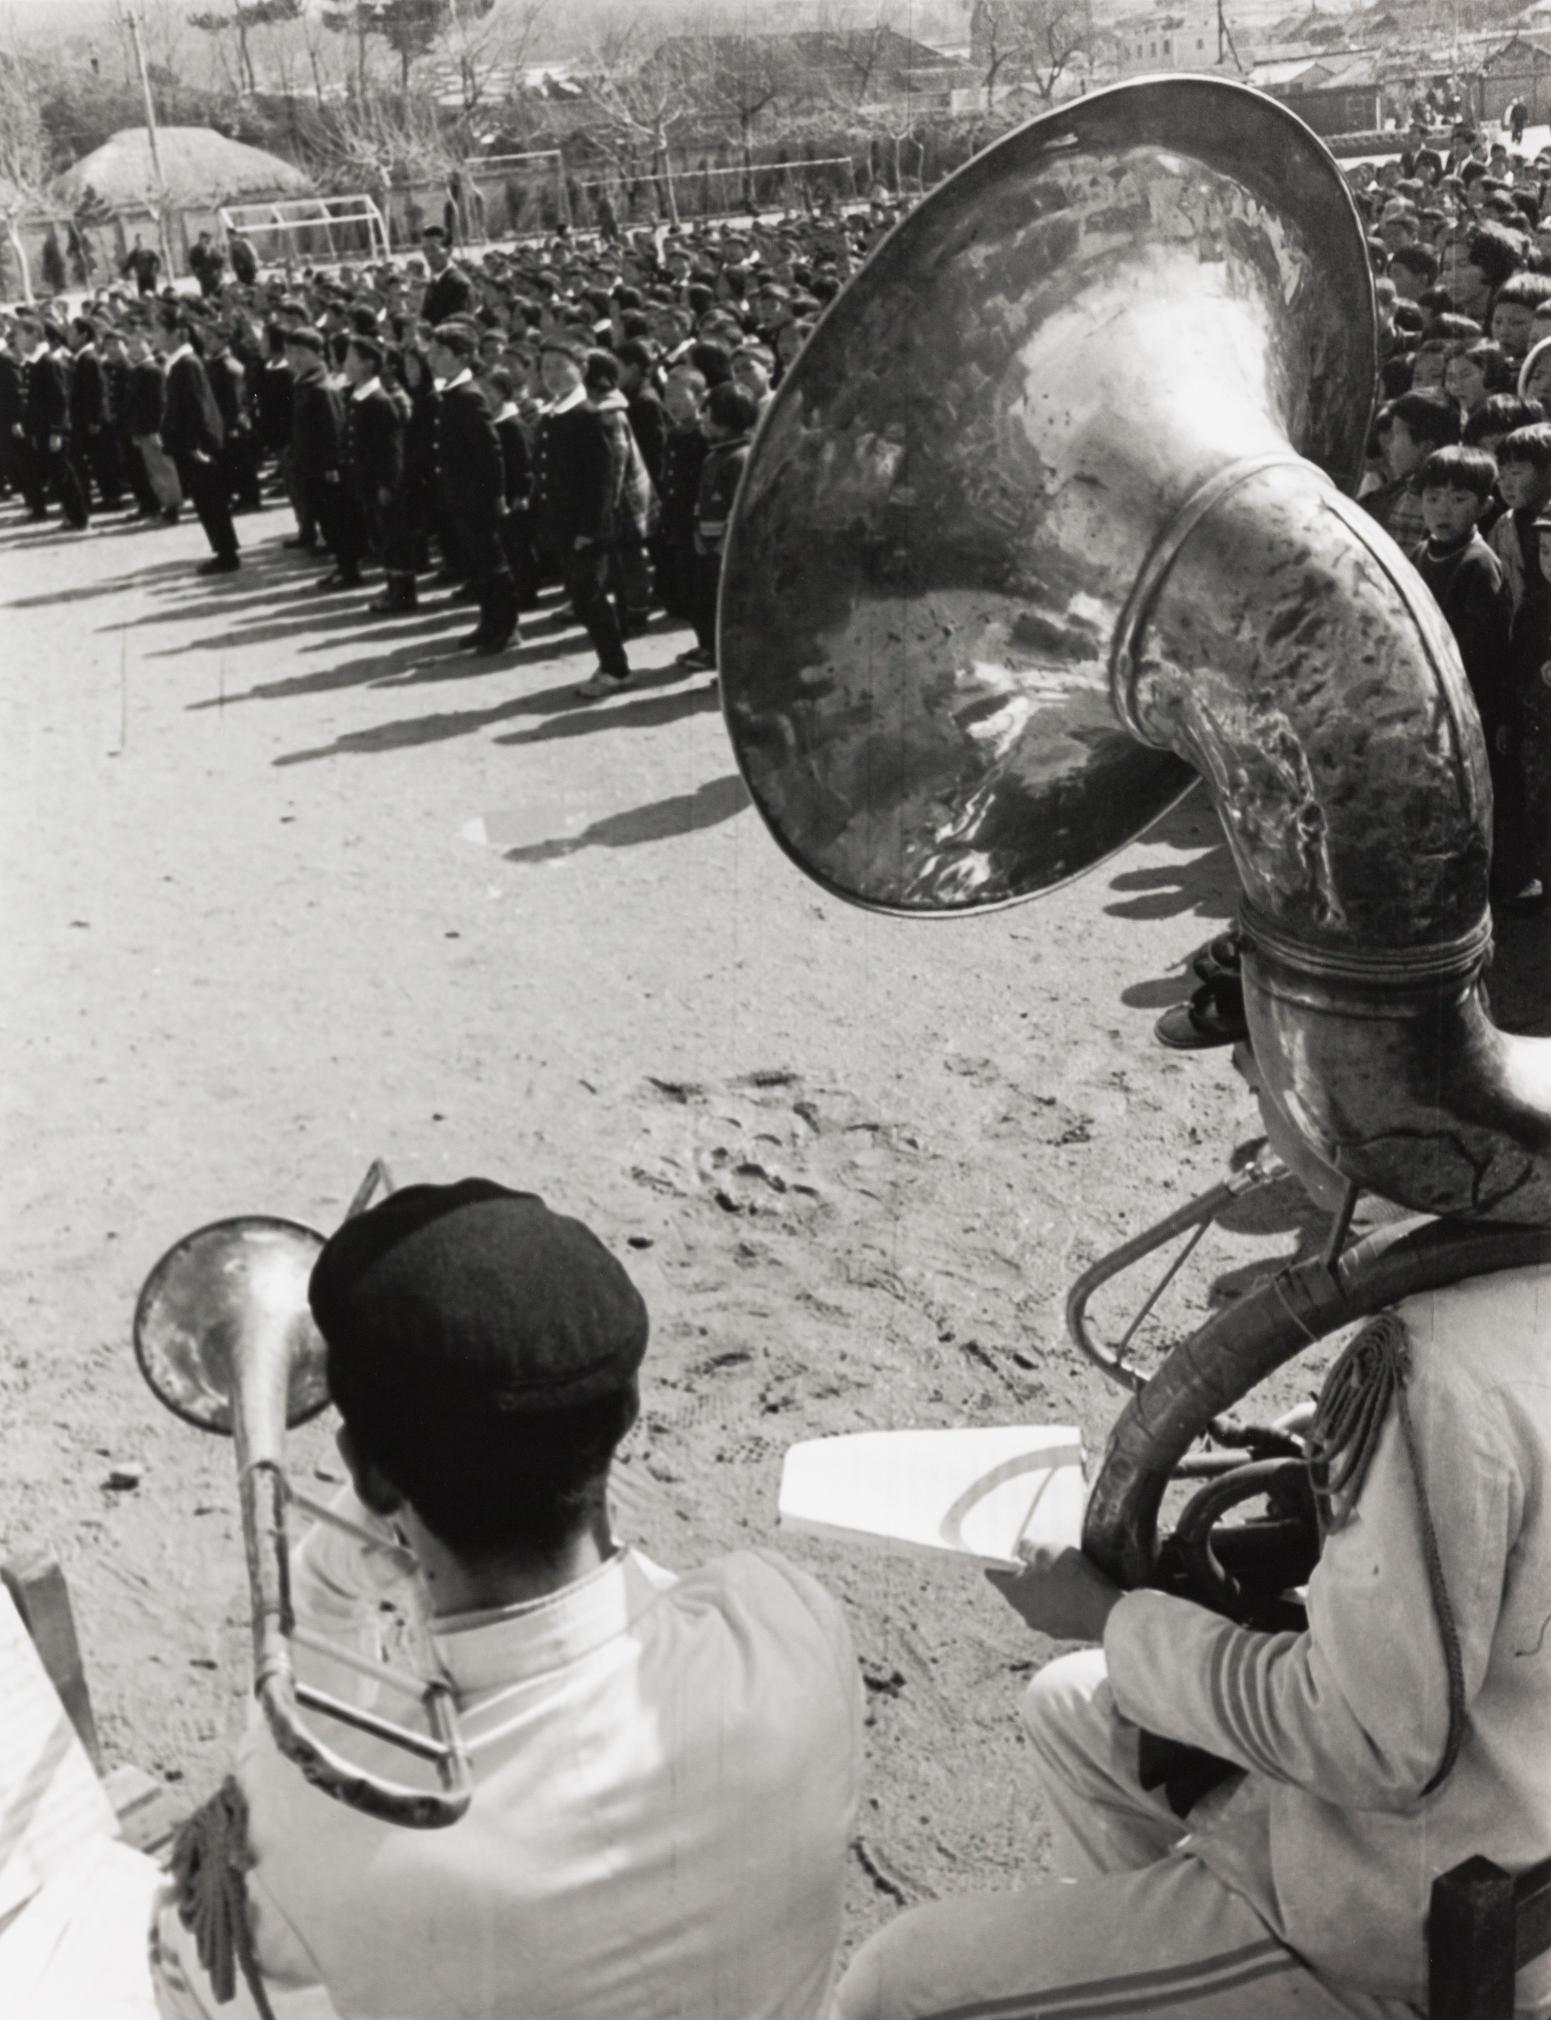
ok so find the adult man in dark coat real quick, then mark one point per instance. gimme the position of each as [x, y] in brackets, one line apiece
[145, 400]
[449, 292]
[471, 486]
[46, 422]
[229, 383]
[13, 476]
[318, 456]
[578, 484]
[374, 439]
[93, 445]
[206, 263]
[142, 264]
[191, 433]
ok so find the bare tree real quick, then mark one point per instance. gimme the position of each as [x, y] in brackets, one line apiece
[490, 45]
[24, 162]
[644, 96]
[245, 16]
[740, 80]
[382, 142]
[1030, 42]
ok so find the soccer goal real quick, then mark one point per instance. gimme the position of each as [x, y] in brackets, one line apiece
[329, 228]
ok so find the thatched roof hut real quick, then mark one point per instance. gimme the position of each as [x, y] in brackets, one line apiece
[200, 168]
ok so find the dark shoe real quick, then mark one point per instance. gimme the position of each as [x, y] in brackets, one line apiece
[219, 564]
[603, 684]
[305, 546]
[491, 641]
[337, 580]
[391, 605]
[1213, 1016]
[466, 592]
[696, 660]
[171, 516]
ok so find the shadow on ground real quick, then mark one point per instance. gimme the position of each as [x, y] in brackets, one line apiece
[682, 814]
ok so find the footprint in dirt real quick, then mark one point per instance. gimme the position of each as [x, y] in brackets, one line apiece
[765, 1146]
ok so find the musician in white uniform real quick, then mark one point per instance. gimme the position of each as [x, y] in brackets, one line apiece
[1408, 1728]
[665, 1766]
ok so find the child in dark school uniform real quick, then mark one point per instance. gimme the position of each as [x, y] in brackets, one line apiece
[731, 412]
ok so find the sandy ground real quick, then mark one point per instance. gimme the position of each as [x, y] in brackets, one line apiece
[286, 889]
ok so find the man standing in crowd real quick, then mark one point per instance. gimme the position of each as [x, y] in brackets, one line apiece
[665, 1765]
[577, 488]
[207, 263]
[142, 265]
[145, 400]
[93, 444]
[317, 455]
[471, 486]
[374, 440]
[450, 292]
[229, 383]
[46, 423]
[192, 436]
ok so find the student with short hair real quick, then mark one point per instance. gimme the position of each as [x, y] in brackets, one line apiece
[731, 415]
[578, 475]
[1466, 579]
[665, 1765]
[1524, 485]
[684, 452]
[1512, 322]
[1409, 428]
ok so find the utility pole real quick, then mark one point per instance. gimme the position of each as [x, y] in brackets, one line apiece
[132, 23]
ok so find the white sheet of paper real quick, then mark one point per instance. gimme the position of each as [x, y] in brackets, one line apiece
[51, 1802]
[972, 1493]
[79, 1950]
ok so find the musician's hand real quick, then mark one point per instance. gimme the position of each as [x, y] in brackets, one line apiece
[1059, 1592]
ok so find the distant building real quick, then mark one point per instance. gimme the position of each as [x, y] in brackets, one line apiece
[823, 67]
[1518, 68]
[1194, 37]
[1331, 90]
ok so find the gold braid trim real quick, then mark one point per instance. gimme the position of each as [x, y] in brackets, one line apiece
[1371, 1372]
[210, 1857]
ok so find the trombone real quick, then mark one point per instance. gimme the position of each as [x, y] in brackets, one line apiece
[224, 1337]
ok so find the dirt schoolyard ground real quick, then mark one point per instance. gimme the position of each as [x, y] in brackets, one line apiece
[287, 889]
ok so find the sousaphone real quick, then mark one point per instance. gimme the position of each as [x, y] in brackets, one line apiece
[1049, 519]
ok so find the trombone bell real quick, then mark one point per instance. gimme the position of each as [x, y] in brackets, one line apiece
[216, 1289]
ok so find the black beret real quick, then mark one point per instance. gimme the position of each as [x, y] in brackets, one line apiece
[486, 1293]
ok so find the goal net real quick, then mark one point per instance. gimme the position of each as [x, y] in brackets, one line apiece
[327, 228]
[507, 194]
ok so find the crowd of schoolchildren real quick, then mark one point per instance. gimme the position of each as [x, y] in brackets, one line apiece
[1460, 459]
[580, 412]
[568, 412]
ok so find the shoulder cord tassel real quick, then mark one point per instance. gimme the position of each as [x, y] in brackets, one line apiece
[210, 1857]
[1342, 1440]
